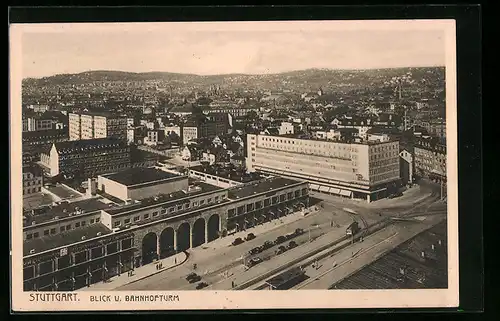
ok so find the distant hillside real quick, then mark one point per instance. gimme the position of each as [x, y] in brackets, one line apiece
[313, 77]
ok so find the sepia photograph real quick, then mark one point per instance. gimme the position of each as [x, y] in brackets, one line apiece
[203, 165]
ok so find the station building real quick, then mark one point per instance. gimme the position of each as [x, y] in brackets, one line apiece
[367, 169]
[70, 246]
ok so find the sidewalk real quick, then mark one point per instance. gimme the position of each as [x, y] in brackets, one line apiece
[257, 230]
[138, 274]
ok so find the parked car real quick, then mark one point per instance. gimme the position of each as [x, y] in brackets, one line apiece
[238, 241]
[281, 250]
[253, 251]
[191, 275]
[299, 231]
[250, 236]
[254, 261]
[292, 244]
[280, 239]
[201, 285]
[195, 279]
[267, 245]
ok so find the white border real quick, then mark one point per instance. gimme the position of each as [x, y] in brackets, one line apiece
[192, 300]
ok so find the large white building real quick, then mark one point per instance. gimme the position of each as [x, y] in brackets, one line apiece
[366, 170]
[97, 125]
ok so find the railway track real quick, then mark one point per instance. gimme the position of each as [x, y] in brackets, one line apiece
[384, 223]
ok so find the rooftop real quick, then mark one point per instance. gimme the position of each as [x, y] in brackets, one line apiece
[260, 186]
[136, 176]
[345, 141]
[66, 238]
[49, 213]
[227, 173]
[199, 188]
[100, 113]
[88, 143]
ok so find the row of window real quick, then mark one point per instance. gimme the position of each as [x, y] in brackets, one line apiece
[392, 169]
[309, 144]
[170, 210]
[385, 155]
[266, 203]
[304, 159]
[384, 148]
[32, 190]
[378, 178]
[33, 182]
[68, 227]
[385, 162]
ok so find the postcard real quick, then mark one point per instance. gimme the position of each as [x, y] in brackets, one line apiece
[233, 165]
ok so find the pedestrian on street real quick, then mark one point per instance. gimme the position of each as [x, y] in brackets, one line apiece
[175, 260]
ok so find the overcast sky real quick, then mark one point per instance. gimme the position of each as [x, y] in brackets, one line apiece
[204, 49]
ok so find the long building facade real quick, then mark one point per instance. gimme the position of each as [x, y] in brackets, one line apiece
[86, 158]
[78, 244]
[368, 170]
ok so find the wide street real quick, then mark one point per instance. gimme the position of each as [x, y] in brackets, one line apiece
[220, 265]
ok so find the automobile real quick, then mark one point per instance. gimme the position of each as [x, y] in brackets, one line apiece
[255, 250]
[281, 250]
[195, 279]
[254, 261]
[250, 236]
[299, 231]
[267, 245]
[280, 239]
[238, 241]
[191, 275]
[292, 244]
[201, 285]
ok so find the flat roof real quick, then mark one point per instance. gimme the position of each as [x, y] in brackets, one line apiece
[48, 213]
[138, 175]
[347, 141]
[227, 173]
[66, 238]
[285, 277]
[166, 198]
[261, 186]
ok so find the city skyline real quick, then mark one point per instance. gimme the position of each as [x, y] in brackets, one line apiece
[212, 49]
